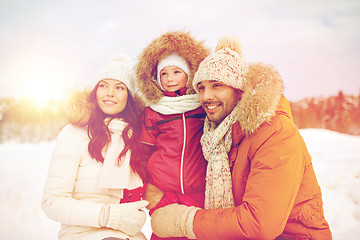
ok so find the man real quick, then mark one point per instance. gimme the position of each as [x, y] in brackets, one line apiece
[260, 181]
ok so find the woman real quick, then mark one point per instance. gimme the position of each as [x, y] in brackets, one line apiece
[94, 184]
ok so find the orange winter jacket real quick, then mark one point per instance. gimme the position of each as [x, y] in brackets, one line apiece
[274, 186]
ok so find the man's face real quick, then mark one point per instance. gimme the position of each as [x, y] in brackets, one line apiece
[217, 99]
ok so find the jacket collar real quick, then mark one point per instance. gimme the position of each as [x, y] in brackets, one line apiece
[179, 92]
[283, 108]
[237, 134]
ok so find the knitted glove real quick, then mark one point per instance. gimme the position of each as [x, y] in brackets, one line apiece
[174, 220]
[153, 195]
[127, 217]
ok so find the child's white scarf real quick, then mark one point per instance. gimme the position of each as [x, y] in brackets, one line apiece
[176, 105]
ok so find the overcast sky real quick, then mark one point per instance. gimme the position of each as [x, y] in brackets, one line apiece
[47, 47]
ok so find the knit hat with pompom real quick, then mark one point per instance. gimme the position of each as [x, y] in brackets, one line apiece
[225, 65]
[118, 68]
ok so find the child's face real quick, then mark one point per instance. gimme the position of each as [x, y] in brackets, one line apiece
[111, 96]
[173, 78]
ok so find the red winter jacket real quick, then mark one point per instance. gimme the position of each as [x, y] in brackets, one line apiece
[178, 164]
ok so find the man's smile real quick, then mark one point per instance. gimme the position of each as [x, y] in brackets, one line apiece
[211, 107]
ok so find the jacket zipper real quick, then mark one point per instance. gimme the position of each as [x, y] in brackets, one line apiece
[182, 157]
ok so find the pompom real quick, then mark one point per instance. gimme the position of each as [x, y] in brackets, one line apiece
[120, 57]
[229, 42]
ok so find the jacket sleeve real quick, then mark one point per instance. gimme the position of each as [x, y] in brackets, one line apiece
[57, 202]
[149, 131]
[276, 168]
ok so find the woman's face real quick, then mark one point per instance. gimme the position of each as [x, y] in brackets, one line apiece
[111, 96]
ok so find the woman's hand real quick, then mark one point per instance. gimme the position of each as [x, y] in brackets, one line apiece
[127, 217]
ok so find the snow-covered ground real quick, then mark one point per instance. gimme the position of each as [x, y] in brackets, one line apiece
[23, 170]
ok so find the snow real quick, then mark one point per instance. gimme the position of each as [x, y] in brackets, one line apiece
[336, 159]
[23, 170]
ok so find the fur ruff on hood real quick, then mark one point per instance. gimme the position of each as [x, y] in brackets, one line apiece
[78, 108]
[184, 45]
[261, 97]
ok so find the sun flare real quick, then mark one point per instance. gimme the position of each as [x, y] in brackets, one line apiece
[41, 90]
[43, 82]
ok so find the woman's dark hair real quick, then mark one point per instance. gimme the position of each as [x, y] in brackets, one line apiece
[99, 133]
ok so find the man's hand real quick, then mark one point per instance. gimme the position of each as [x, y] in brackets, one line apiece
[174, 220]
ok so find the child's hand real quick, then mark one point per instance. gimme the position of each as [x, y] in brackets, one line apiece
[153, 195]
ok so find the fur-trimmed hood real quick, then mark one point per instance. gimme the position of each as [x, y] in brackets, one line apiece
[180, 42]
[261, 97]
[78, 108]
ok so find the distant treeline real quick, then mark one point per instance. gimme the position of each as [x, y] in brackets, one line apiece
[339, 113]
[24, 121]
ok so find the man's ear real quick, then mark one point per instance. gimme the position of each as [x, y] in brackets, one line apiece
[239, 94]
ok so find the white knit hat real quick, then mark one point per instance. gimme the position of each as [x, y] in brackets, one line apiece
[225, 65]
[118, 68]
[172, 60]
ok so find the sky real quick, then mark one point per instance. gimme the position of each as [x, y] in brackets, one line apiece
[48, 47]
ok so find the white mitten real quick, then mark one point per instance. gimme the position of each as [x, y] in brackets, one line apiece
[127, 217]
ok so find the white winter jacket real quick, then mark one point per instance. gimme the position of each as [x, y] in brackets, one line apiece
[71, 195]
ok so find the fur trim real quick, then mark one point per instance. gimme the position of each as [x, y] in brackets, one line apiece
[78, 109]
[260, 98]
[180, 42]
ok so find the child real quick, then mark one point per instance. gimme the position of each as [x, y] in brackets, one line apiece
[94, 184]
[173, 120]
